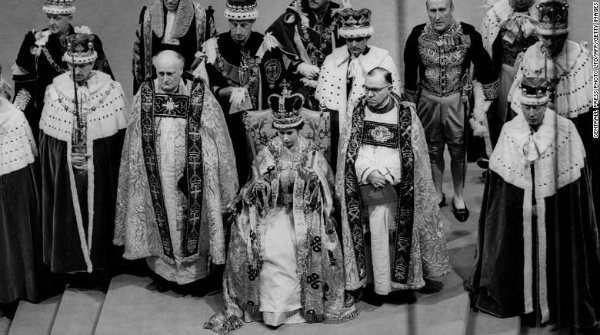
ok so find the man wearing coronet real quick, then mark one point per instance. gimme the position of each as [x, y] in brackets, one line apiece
[538, 246]
[307, 32]
[81, 136]
[567, 66]
[344, 72]
[40, 57]
[244, 67]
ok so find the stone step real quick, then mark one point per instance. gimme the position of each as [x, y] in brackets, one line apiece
[485, 324]
[35, 319]
[78, 312]
[4, 325]
[132, 306]
[444, 312]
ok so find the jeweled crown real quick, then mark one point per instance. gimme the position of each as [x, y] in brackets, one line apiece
[553, 17]
[241, 10]
[59, 7]
[354, 23]
[80, 49]
[534, 91]
[286, 108]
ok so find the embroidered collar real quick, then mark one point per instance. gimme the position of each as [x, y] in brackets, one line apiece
[183, 18]
[454, 29]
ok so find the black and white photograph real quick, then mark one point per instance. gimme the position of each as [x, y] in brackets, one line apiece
[300, 167]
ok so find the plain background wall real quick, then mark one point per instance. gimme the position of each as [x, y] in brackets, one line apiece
[115, 21]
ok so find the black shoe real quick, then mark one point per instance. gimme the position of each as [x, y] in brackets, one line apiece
[370, 297]
[431, 286]
[443, 201]
[460, 214]
[401, 297]
[483, 163]
[211, 284]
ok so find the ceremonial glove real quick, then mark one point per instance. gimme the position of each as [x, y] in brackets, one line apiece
[240, 100]
[308, 70]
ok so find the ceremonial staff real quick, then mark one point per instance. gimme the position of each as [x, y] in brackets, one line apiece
[78, 146]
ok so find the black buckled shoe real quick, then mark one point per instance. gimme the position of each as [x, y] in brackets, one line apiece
[460, 214]
[443, 201]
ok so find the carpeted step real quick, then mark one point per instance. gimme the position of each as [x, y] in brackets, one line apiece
[78, 312]
[133, 306]
[34, 319]
[4, 325]
[485, 324]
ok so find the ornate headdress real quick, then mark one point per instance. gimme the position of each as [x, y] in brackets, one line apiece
[355, 23]
[241, 10]
[534, 91]
[80, 47]
[553, 17]
[59, 7]
[286, 108]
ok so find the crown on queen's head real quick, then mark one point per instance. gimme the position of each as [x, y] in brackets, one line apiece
[286, 108]
[59, 7]
[534, 91]
[241, 10]
[80, 49]
[355, 23]
[553, 17]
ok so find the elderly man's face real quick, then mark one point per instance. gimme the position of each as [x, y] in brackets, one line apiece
[82, 71]
[521, 5]
[58, 24]
[554, 43]
[377, 91]
[533, 114]
[317, 4]
[171, 4]
[356, 46]
[169, 71]
[240, 30]
[440, 14]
